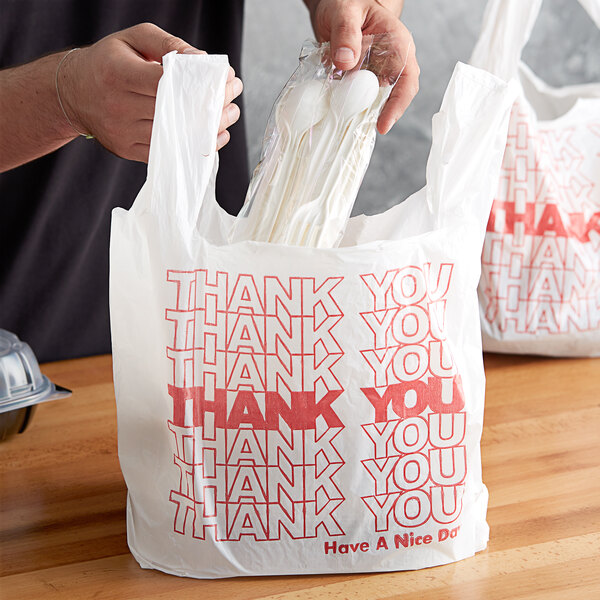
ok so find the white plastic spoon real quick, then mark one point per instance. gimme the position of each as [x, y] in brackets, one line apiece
[297, 112]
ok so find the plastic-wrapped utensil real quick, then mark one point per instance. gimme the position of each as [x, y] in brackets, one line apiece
[318, 145]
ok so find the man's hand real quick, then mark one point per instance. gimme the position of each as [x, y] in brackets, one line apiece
[109, 89]
[344, 22]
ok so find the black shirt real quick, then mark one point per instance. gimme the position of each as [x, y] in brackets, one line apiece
[55, 211]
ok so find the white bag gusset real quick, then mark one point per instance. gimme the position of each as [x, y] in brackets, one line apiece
[293, 410]
[540, 285]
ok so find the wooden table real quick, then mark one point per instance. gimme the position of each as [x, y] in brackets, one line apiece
[62, 533]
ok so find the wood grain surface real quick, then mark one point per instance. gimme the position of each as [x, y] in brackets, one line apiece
[62, 530]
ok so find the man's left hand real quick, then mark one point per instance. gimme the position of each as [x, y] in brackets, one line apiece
[344, 22]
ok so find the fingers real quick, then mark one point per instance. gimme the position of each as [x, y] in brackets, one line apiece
[152, 42]
[222, 139]
[192, 50]
[346, 36]
[344, 22]
[231, 114]
[232, 90]
[142, 76]
[149, 43]
[404, 91]
[116, 86]
[142, 131]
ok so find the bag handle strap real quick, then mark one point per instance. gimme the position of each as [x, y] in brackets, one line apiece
[183, 158]
[507, 26]
[469, 138]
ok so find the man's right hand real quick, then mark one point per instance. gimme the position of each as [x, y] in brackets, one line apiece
[109, 89]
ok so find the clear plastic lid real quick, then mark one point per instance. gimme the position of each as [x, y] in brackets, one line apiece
[21, 381]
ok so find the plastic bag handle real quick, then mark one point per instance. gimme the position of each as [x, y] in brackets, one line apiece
[183, 159]
[507, 26]
[469, 138]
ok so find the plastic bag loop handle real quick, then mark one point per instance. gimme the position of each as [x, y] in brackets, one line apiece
[183, 158]
[507, 26]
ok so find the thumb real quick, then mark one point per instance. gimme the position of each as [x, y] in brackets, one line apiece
[346, 36]
[153, 43]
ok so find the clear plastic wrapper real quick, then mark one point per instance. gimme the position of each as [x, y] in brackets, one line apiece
[317, 146]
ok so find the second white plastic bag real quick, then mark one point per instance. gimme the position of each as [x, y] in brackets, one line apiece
[540, 285]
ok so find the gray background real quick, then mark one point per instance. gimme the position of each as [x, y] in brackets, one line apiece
[564, 49]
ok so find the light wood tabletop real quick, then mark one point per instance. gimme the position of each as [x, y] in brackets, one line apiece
[62, 533]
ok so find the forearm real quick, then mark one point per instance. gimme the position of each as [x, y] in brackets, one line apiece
[394, 6]
[32, 123]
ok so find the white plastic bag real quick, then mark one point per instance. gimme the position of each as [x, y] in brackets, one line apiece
[293, 410]
[540, 285]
